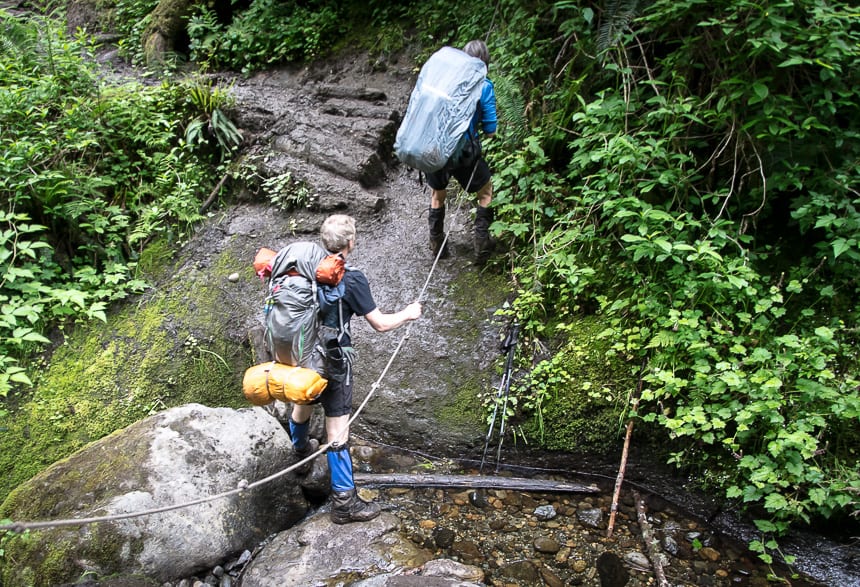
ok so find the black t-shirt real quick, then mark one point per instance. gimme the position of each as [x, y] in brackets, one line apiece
[357, 299]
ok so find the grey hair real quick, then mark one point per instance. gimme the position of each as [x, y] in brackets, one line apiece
[337, 231]
[478, 48]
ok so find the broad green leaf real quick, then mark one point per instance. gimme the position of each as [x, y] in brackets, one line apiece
[840, 245]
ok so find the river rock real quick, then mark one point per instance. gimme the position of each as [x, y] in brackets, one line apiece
[177, 456]
[670, 545]
[611, 570]
[444, 567]
[523, 572]
[546, 545]
[710, 554]
[413, 581]
[591, 517]
[318, 551]
[550, 579]
[467, 550]
[637, 560]
[478, 499]
[444, 537]
[545, 512]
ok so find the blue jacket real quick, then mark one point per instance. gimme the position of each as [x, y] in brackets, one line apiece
[485, 117]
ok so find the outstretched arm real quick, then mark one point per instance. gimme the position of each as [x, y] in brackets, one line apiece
[385, 322]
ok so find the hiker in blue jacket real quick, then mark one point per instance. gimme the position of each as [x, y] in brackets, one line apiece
[472, 172]
[338, 236]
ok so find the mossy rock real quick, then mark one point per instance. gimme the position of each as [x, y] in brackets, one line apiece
[585, 394]
[176, 456]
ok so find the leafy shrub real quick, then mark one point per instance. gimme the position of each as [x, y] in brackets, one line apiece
[269, 32]
[91, 172]
[691, 183]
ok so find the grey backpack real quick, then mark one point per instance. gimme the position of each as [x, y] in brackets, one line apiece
[294, 330]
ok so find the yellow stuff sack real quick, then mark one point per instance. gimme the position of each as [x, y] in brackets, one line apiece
[267, 382]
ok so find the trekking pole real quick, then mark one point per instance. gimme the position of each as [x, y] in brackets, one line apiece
[510, 345]
[493, 420]
[504, 387]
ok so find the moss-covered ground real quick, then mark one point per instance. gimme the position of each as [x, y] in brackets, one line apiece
[576, 401]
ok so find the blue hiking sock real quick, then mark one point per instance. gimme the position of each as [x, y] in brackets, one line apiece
[340, 467]
[299, 433]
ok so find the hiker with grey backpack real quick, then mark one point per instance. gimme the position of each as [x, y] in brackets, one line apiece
[351, 297]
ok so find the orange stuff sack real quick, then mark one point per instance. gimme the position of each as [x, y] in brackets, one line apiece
[267, 382]
[331, 269]
[263, 263]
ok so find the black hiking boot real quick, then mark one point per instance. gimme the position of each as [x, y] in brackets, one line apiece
[347, 506]
[436, 219]
[310, 447]
[483, 244]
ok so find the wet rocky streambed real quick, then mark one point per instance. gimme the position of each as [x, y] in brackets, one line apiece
[523, 538]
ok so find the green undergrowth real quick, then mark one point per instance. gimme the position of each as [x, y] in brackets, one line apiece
[53, 555]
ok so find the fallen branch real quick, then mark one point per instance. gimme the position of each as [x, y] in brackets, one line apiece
[651, 542]
[214, 193]
[623, 465]
[472, 482]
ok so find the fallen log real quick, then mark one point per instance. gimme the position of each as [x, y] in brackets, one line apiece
[472, 482]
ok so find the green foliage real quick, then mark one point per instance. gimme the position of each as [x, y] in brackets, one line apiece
[697, 190]
[212, 127]
[268, 32]
[575, 399]
[89, 174]
[282, 190]
[132, 19]
[148, 357]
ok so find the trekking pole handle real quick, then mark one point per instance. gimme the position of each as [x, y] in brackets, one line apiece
[511, 338]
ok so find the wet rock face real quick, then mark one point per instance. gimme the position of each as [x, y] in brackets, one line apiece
[334, 136]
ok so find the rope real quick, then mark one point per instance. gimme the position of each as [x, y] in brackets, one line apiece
[20, 527]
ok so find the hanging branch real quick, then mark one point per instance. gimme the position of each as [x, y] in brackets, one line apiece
[650, 541]
[621, 467]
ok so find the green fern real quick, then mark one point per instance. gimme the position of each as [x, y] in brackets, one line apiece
[211, 122]
[512, 110]
[617, 17]
[16, 39]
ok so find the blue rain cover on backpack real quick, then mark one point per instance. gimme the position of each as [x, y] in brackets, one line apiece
[440, 109]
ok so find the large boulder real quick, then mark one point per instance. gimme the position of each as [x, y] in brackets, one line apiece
[175, 457]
